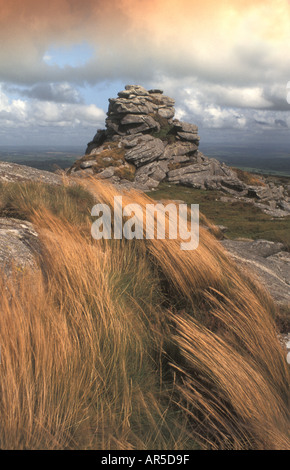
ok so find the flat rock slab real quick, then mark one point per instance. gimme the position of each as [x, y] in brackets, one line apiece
[267, 262]
[19, 245]
[145, 152]
[12, 172]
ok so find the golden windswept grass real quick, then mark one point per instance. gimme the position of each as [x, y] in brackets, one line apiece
[134, 344]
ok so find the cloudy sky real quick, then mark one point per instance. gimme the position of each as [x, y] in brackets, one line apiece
[226, 63]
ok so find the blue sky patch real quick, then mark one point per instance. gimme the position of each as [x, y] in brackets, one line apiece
[74, 56]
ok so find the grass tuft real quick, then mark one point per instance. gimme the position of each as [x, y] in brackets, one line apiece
[134, 345]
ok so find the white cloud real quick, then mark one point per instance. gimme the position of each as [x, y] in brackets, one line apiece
[219, 106]
[47, 58]
[34, 112]
[46, 118]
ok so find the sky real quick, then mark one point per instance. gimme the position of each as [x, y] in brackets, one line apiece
[226, 63]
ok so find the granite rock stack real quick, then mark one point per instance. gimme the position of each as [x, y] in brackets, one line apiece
[143, 145]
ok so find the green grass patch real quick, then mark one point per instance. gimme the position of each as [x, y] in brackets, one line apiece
[242, 219]
[166, 130]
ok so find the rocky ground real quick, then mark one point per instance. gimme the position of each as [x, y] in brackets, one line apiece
[143, 145]
[19, 245]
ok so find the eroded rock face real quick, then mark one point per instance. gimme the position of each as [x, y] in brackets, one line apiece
[204, 173]
[143, 145]
[145, 151]
[138, 110]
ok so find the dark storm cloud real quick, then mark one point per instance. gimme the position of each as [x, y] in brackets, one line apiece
[226, 63]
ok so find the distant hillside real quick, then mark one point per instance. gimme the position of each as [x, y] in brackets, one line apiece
[259, 159]
[43, 158]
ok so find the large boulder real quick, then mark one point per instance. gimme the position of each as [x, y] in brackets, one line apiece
[205, 173]
[151, 174]
[19, 245]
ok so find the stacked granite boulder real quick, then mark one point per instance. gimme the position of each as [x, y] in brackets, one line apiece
[143, 145]
[137, 110]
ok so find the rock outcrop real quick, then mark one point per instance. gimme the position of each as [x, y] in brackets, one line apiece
[19, 245]
[19, 242]
[144, 145]
[12, 172]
